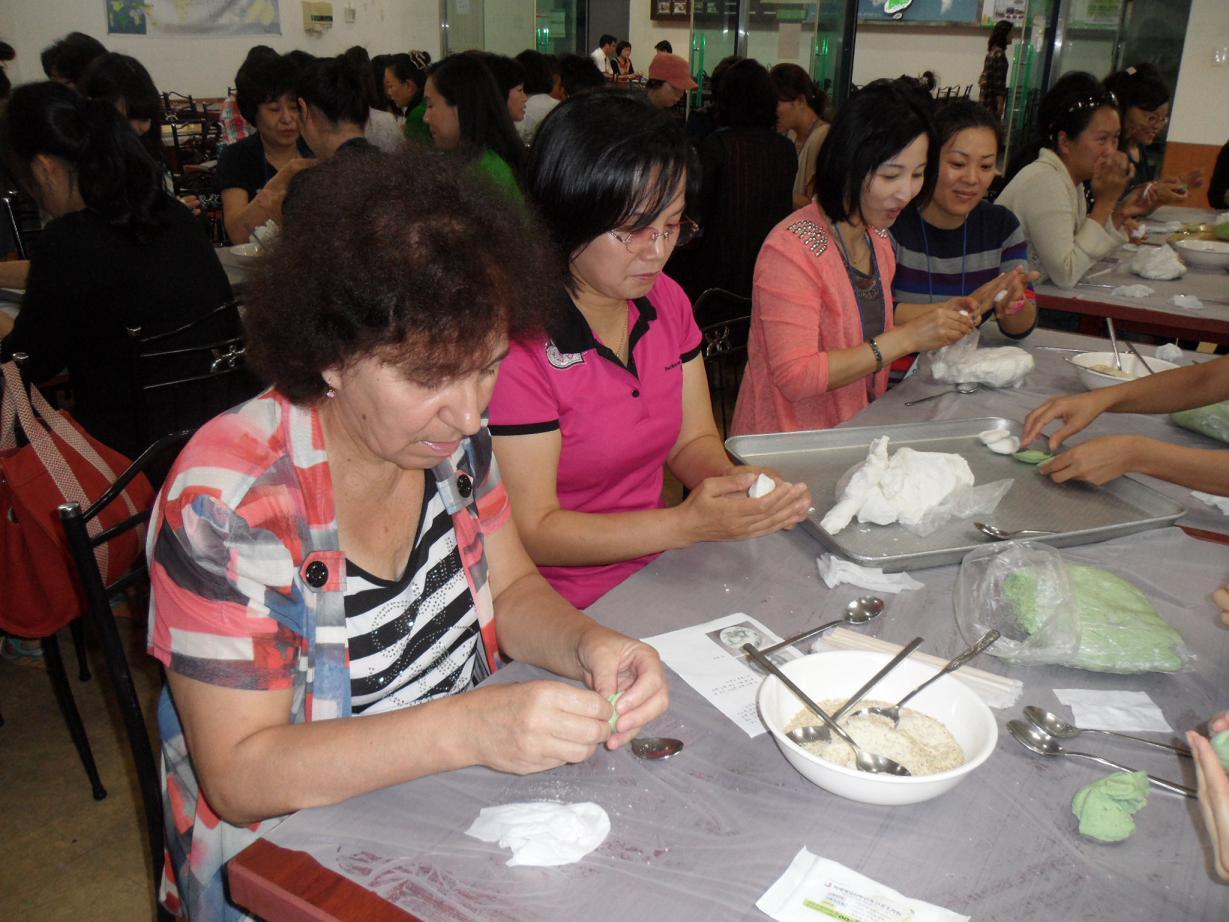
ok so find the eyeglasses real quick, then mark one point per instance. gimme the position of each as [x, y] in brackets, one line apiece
[1152, 120]
[643, 241]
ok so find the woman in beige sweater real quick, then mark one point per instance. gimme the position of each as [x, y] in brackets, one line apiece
[1079, 124]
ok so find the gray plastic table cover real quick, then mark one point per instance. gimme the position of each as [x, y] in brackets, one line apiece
[702, 836]
[1053, 376]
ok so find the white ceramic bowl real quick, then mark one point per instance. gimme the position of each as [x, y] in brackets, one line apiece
[1092, 380]
[1210, 254]
[837, 674]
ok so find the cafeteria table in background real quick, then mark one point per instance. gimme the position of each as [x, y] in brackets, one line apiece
[1156, 315]
[703, 835]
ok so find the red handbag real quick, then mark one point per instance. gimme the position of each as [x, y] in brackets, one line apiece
[39, 591]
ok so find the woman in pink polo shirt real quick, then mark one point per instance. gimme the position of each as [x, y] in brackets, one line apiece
[585, 418]
[823, 328]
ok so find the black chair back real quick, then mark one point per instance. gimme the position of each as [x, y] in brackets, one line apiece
[724, 319]
[98, 597]
[182, 378]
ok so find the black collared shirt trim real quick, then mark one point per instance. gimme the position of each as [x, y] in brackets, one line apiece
[525, 428]
[575, 335]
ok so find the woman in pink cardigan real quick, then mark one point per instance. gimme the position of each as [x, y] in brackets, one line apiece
[823, 328]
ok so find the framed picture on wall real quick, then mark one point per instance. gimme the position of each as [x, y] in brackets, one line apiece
[670, 10]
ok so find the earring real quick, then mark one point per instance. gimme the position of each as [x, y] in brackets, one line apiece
[330, 393]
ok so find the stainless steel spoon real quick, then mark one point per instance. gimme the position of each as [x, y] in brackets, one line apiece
[893, 713]
[813, 733]
[1061, 729]
[655, 747]
[993, 531]
[964, 388]
[865, 761]
[1042, 743]
[858, 612]
[1135, 352]
[1109, 325]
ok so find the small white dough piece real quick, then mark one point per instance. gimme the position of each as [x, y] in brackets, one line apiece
[1133, 291]
[762, 487]
[1000, 297]
[1190, 302]
[990, 436]
[1007, 446]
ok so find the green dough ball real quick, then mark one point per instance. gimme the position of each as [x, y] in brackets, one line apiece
[1119, 630]
[1033, 456]
[614, 714]
[1105, 807]
[1220, 743]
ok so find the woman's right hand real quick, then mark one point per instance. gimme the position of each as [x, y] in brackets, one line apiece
[1110, 176]
[534, 726]
[1213, 784]
[1076, 411]
[719, 509]
[947, 323]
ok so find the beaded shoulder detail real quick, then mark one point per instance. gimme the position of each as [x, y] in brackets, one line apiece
[813, 236]
[879, 231]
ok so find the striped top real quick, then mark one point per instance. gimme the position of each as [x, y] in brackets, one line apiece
[412, 639]
[936, 263]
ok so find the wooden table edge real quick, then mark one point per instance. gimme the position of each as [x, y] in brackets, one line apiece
[284, 885]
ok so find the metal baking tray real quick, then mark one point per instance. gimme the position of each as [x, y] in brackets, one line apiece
[1078, 513]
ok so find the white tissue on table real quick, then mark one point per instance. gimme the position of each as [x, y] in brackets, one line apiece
[1169, 352]
[1131, 247]
[1132, 291]
[901, 489]
[1190, 302]
[266, 233]
[543, 834]
[762, 487]
[1125, 711]
[834, 571]
[963, 363]
[1220, 502]
[1164, 227]
[1158, 263]
[1000, 441]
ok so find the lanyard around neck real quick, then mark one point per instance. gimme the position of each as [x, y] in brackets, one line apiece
[964, 252]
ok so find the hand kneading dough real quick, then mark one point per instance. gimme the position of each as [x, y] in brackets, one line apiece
[902, 488]
[1220, 743]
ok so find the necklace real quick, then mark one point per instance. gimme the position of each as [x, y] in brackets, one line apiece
[618, 350]
[844, 248]
[964, 252]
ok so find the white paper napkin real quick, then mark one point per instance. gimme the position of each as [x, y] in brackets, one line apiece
[1095, 709]
[543, 834]
[834, 571]
[815, 888]
[1132, 291]
[1220, 502]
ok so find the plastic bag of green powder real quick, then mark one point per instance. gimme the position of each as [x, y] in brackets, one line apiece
[1212, 420]
[1051, 611]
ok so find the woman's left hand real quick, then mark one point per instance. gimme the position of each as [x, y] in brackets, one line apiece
[1015, 283]
[1213, 785]
[612, 662]
[1221, 598]
[1097, 461]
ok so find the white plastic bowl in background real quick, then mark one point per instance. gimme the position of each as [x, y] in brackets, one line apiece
[1209, 254]
[838, 673]
[1130, 364]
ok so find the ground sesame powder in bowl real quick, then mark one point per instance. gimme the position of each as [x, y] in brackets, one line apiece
[921, 744]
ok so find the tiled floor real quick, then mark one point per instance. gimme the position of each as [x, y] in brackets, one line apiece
[64, 855]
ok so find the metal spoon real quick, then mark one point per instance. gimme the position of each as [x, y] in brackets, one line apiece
[865, 761]
[1060, 729]
[814, 733]
[1109, 325]
[993, 531]
[963, 388]
[655, 747]
[893, 713]
[1042, 743]
[858, 612]
[1143, 361]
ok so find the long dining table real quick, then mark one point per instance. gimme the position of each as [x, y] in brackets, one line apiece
[703, 835]
[1093, 298]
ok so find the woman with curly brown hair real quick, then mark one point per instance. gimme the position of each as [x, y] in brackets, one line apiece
[343, 545]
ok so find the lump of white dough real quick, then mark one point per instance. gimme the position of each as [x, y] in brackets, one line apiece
[1158, 263]
[901, 488]
[1190, 302]
[1000, 441]
[1005, 366]
[762, 487]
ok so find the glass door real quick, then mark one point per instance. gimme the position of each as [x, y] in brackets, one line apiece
[557, 28]
[714, 36]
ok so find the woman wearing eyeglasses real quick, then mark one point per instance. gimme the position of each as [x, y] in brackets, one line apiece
[1079, 125]
[1143, 104]
[585, 419]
